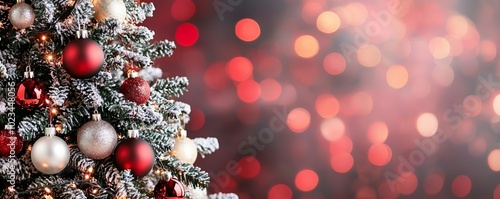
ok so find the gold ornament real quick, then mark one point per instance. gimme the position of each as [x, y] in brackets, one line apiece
[106, 9]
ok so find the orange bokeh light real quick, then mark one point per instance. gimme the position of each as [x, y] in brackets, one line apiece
[306, 180]
[270, 90]
[379, 154]
[327, 106]
[248, 91]
[378, 132]
[239, 69]
[369, 55]
[461, 186]
[306, 46]
[298, 120]
[397, 76]
[328, 22]
[280, 191]
[334, 64]
[494, 160]
[247, 30]
[439, 47]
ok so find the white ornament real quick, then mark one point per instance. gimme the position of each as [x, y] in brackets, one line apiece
[184, 148]
[50, 154]
[106, 9]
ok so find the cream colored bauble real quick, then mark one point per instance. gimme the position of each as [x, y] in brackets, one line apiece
[106, 9]
[184, 148]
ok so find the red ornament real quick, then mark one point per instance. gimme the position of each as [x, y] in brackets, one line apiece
[30, 93]
[136, 89]
[135, 154]
[83, 58]
[10, 142]
[169, 189]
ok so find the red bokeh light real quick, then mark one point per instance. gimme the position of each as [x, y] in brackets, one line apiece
[379, 154]
[186, 34]
[247, 30]
[197, 119]
[182, 9]
[342, 162]
[215, 77]
[461, 186]
[327, 106]
[496, 193]
[298, 120]
[306, 180]
[239, 69]
[344, 144]
[433, 183]
[270, 89]
[280, 191]
[248, 91]
[250, 167]
[248, 113]
[407, 183]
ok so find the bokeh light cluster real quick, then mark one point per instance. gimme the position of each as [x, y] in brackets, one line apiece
[380, 99]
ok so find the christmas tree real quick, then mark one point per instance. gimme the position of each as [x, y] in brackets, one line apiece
[86, 114]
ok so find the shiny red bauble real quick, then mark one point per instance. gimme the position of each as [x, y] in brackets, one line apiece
[30, 94]
[135, 154]
[169, 189]
[10, 143]
[83, 58]
[136, 89]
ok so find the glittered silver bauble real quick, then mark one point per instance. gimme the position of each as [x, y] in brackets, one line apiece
[97, 139]
[50, 154]
[21, 15]
[185, 149]
[106, 9]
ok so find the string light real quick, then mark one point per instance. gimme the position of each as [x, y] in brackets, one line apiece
[54, 111]
[95, 191]
[47, 190]
[48, 197]
[43, 37]
[11, 189]
[50, 57]
[59, 127]
[87, 176]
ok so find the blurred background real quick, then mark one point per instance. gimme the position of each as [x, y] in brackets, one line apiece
[320, 99]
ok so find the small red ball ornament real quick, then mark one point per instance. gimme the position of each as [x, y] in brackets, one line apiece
[169, 189]
[30, 93]
[135, 89]
[83, 57]
[10, 142]
[135, 154]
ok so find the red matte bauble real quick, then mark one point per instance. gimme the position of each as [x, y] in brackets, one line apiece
[135, 154]
[169, 189]
[83, 58]
[30, 94]
[136, 89]
[10, 143]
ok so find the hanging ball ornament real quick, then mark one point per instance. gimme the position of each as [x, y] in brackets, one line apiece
[50, 154]
[82, 57]
[30, 92]
[10, 142]
[109, 9]
[21, 15]
[169, 189]
[97, 139]
[135, 154]
[135, 89]
[184, 148]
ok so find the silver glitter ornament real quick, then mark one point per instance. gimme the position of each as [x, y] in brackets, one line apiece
[21, 15]
[50, 154]
[97, 139]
